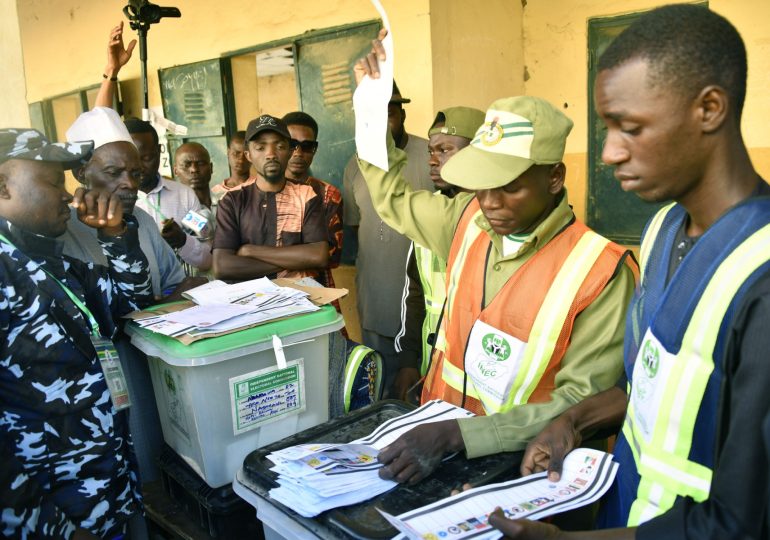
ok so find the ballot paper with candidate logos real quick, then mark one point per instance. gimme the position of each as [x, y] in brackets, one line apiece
[316, 477]
[587, 474]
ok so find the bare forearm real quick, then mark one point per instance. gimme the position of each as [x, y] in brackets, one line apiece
[605, 410]
[104, 97]
[298, 257]
[228, 265]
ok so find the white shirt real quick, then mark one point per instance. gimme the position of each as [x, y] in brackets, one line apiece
[172, 200]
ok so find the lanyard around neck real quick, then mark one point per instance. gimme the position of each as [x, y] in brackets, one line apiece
[71, 295]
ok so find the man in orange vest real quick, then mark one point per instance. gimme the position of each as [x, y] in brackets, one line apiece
[536, 301]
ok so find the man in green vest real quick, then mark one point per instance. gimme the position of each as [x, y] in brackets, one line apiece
[693, 462]
[425, 288]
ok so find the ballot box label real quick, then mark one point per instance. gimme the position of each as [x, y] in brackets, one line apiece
[267, 395]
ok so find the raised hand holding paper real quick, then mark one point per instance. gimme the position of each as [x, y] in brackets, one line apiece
[370, 102]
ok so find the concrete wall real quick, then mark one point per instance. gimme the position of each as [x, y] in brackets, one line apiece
[555, 54]
[478, 53]
[64, 40]
[14, 110]
[277, 94]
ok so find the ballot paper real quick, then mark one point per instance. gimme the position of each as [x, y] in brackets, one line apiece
[316, 477]
[222, 308]
[370, 102]
[587, 474]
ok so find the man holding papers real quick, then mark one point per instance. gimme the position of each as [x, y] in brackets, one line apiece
[693, 460]
[535, 300]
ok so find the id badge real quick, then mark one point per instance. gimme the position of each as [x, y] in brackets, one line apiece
[113, 372]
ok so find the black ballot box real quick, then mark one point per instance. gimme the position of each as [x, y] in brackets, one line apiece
[360, 521]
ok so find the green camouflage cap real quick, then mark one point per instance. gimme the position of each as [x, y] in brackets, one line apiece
[518, 132]
[460, 121]
[30, 144]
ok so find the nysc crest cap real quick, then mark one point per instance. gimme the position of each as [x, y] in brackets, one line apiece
[460, 121]
[518, 132]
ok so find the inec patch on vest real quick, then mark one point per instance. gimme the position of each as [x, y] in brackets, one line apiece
[652, 370]
[492, 361]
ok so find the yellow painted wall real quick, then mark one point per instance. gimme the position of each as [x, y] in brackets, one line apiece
[478, 53]
[14, 111]
[244, 70]
[64, 40]
[555, 54]
[277, 94]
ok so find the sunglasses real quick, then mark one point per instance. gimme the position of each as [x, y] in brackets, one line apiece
[306, 146]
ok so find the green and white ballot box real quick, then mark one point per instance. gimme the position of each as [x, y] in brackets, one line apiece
[220, 398]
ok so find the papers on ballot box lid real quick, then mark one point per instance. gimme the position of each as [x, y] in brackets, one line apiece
[313, 478]
[586, 475]
[220, 308]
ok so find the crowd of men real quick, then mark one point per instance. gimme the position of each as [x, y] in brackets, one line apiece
[476, 282]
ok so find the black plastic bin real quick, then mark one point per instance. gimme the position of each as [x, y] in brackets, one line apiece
[362, 521]
[217, 510]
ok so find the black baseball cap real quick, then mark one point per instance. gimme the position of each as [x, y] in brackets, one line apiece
[266, 123]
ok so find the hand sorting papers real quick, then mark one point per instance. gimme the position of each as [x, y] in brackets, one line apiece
[222, 308]
[317, 477]
[586, 476]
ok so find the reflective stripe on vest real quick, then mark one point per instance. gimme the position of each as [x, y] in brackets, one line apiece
[552, 316]
[453, 280]
[356, 357]
[662, 461]
[649, 237]
[432, 271]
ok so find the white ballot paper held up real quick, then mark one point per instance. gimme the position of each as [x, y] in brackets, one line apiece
[586, 476]
[370, 102]
[316, 477]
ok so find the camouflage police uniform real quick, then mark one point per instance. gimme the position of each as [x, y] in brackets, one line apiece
[65, 451]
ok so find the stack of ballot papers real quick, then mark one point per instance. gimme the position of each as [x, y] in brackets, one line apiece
[587, 474]
[313, 478]
[222, 308]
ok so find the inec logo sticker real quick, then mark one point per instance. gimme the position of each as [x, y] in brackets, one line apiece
[496, 347]
[650, 359]
[493, 133]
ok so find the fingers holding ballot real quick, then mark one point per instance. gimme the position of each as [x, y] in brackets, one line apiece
[370, 64]
[99, 209]
[418, 452]
[523, 529]
[547, 451]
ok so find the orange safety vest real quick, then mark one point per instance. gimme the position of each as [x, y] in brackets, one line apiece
[537, 305]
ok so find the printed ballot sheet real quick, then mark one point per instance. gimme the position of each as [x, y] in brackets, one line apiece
[370, 102]
[317, 477]
[586, 476]
[222, 308]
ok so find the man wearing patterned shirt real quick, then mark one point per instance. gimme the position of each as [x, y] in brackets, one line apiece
[68, 470]
[270, 227]
[304, 143]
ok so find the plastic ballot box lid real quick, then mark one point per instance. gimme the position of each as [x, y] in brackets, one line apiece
[235, 344]
[363, 521]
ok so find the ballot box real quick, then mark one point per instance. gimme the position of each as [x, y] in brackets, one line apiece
[220, 398]
[361, 521]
